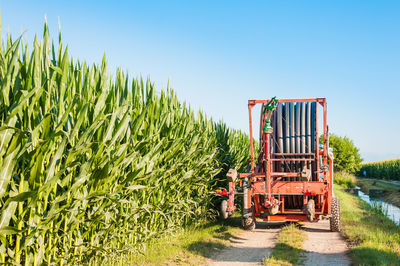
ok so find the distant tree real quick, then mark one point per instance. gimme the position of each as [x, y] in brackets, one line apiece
[347, 155]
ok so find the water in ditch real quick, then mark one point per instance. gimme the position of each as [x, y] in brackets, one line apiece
[390, 210]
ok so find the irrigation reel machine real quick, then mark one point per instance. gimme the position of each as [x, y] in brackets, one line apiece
[291, 178]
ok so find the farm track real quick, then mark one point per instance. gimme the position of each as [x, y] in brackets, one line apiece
[249, 248]
[392, 182]
[324, 247]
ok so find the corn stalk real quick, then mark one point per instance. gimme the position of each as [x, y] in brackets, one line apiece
[93, 165]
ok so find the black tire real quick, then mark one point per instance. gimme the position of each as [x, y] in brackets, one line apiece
[335, 221]
[249, 223]
[223, 211]
[310, 210]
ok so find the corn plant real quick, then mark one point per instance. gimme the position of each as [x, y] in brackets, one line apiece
[93, 165]
[389, 169]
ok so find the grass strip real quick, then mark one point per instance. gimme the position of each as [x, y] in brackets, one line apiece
[378, 184]
[191, 246]
[288, 248]
[374, 238]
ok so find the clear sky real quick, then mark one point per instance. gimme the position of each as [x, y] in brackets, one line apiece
[219, 54]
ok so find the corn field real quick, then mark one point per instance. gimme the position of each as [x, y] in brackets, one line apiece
[93, 165]
[389, 169]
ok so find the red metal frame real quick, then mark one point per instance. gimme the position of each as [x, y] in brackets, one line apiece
[269, 185]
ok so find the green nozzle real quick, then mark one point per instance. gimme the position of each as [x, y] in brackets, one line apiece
[268, 109]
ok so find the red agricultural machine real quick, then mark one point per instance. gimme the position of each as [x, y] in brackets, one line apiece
[291, 177]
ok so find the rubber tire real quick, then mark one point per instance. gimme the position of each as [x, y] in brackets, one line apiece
[310, 210]
[335, 221]
[249, 223]
[223, 210]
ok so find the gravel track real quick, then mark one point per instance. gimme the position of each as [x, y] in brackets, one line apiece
[249, 248]
[324, 247]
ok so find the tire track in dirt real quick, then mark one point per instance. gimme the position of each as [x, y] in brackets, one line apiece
[249, 248]
[324, 247]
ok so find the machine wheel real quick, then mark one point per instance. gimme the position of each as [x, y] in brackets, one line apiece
[310, 210]
[249, 223]
[223, 211]
[336, 225]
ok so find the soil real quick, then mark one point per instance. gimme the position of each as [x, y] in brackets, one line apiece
[250, 247]
[324, 247]
[395, 182]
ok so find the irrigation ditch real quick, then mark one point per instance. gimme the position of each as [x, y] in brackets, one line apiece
[378, 203]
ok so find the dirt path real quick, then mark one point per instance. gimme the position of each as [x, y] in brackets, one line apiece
[392, 182]
[323, 246]
[249, 248]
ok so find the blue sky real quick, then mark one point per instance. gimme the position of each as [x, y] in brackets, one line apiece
[218, 54]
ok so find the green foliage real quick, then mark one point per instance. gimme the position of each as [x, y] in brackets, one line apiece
[345, 179]
[346, 155]
[374, 238]
[93, 165]
[389, 169]
[289, 247]
[189, 246]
